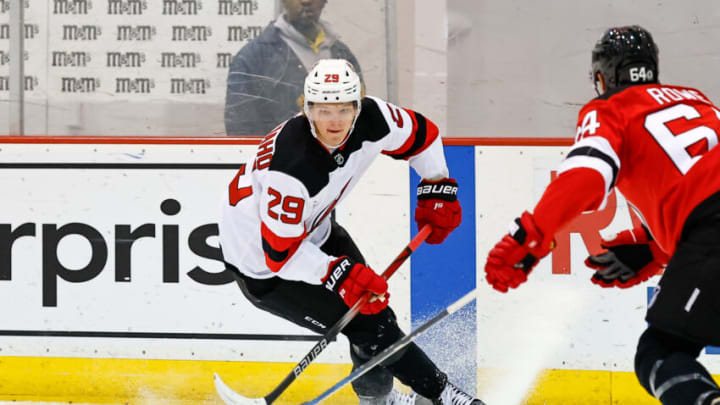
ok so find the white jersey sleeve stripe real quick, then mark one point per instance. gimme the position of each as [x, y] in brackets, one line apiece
[594, 153]
[599, 143]
[594, 163]
[589, 162]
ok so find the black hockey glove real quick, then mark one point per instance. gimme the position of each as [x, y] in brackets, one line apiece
[631, 258]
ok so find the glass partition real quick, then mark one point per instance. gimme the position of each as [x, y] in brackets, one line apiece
[4, 66]
[522, 69]
[160, 67]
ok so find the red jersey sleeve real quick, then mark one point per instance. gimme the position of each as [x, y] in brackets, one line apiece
[598, 143]
[588, 173]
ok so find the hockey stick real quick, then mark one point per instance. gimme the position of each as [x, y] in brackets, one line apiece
[394, 348]
[231, 397]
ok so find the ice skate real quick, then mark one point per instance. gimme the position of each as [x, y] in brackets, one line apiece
[395, 397]
[452, 395]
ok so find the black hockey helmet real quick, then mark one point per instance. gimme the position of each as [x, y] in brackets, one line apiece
[625, 56]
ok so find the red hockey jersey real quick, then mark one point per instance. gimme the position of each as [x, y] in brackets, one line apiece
[656, 144]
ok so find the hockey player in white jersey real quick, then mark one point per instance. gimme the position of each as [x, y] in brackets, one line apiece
[293, 260]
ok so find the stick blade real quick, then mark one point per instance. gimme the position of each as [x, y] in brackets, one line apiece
[231, 397]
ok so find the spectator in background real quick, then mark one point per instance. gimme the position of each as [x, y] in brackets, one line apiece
[266, 76]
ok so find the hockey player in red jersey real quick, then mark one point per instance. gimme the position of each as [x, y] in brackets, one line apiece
[293, 260]
[656, 143]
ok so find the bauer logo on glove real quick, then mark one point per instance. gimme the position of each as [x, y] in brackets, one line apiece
[438, 207]
[350, 280]
[338, 274]
[446, 192]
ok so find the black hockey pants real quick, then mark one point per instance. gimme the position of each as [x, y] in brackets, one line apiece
[684, 315]
[316, 308]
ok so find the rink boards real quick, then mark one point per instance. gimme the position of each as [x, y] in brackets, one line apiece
[113, 290]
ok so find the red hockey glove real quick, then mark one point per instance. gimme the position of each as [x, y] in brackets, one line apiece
[350, 279]
[631, 258]
[438, 206]
[514, 257]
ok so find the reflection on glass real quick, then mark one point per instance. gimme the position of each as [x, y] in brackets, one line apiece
[4, 67]
[146, 67]
[266, 76]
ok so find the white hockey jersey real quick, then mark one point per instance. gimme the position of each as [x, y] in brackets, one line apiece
[276, 211]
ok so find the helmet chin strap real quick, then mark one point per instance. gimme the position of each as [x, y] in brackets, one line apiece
[599, 82]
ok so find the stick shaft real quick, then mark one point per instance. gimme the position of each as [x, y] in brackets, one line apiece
[394, 348]
[345, 320]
